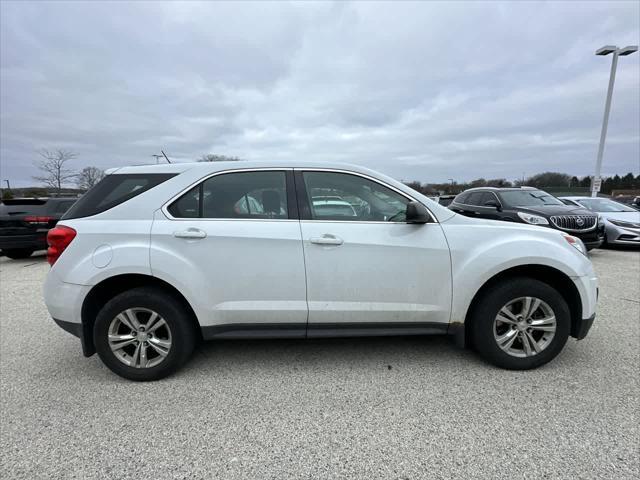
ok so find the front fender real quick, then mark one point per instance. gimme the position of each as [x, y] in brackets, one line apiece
[495, 247]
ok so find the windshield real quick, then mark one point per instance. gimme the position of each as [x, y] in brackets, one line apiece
[528, 198]
[604, 205]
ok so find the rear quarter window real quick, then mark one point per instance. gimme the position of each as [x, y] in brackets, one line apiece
[113, 190]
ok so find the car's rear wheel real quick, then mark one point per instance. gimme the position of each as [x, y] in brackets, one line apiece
[520, 324]
[144, 334]
[18, 253]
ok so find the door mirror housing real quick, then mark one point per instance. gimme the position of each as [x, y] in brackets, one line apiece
[417, 213]
[494, 204]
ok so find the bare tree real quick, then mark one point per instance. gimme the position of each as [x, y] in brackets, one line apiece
[210, 157]
[88, 177]
[52, 165]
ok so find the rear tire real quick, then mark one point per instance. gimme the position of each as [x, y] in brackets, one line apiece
[18, 253]
[148, 353]
[548, 325]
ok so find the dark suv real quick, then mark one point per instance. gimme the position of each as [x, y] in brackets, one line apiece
[24, 223]
[532, 206]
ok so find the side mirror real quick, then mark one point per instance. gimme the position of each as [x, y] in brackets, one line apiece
[417, 213]
[492, 203]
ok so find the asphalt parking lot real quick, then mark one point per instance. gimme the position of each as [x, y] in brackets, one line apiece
[387, 408]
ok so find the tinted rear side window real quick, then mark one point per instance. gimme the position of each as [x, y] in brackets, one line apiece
[113, 190]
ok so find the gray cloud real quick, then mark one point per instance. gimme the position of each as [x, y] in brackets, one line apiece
[423, 91]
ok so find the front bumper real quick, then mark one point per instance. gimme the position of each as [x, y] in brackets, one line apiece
[580, 328]
[591, 239]
[588, 290]
[622, 235]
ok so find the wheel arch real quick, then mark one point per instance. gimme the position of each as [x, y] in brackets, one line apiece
[108, 288]
[544, 273]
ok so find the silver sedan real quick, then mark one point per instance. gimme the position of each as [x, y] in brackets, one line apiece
[622, 223]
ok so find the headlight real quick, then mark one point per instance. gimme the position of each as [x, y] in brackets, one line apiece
[622, 224]
[576, 243]
[533, 219]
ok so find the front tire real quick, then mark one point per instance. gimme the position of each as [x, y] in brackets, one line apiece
[18, 253]
[520, 324]
[144, 334]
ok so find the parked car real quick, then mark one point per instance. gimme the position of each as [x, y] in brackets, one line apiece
[24, 223]
[445, 200]
[628, 200]
[332, 207]
[532, 206]
[140, 278]
[621, 222]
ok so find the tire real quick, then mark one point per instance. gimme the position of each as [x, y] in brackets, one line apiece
[178, 330]
[486, 329]
[18, 253]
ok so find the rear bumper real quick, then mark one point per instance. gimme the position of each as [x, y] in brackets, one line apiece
[37, 241]
[77, 329]
[64, 302]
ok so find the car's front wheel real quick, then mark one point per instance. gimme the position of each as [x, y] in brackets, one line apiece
[144, 334]
[520, 324]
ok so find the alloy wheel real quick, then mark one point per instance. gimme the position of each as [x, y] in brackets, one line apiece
[524, 327]
[139, 338]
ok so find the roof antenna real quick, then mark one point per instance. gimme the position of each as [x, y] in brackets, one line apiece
[165, 156]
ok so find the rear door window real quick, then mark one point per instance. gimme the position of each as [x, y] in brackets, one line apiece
[113, 190]
[257, 195]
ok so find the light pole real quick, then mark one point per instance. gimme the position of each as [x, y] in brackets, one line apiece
[617, 52]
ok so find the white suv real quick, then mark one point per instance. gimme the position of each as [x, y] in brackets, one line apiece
[155, 258]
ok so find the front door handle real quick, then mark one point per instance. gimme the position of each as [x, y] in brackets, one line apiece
[190, 233]
[327, 239]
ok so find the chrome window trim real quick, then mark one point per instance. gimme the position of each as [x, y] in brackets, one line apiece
[373, 179]
[165, 206]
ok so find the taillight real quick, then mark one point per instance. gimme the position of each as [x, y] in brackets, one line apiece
[38, 220]
[58, 239]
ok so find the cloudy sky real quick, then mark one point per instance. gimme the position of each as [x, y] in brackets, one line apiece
[421, 91]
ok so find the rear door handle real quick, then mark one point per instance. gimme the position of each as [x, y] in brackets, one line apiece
[190, 233]
[327, 239]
